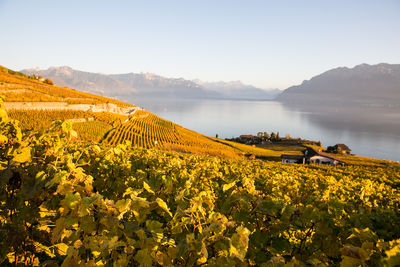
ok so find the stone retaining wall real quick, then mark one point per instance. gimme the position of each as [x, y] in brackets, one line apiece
[105, 107]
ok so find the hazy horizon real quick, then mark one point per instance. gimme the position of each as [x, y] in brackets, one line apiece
[261, 43]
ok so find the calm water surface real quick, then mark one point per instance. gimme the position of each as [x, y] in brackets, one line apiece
[374, 136]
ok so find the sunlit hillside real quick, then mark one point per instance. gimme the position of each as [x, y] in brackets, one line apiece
[18, 87]
[37, 104]
[144, 129]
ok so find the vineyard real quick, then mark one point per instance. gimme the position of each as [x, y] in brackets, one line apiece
[143, 129]
[19, 88]
[146, 130]
[90, 126]
[78, 204]
[91, 131]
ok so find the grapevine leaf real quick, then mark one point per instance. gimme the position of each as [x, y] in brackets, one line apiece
[143, 258]
[163, 205]
[71, 200]
[23, 156]
[66, 126]
[3, 139]
[226, 187]
[147, 187]
[57, 178]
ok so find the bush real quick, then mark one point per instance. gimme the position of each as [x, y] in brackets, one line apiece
[48, 81]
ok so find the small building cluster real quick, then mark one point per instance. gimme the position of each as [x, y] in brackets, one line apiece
[249, 139]
[311, 155]
[342, 149]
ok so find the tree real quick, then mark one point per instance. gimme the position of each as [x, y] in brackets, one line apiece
[260, 134]
[330, 149]
[266, 135]
[272, 137]
[216, 136]
[48, 81]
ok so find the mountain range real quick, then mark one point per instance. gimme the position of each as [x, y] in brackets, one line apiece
[130, 85]
[364, 85]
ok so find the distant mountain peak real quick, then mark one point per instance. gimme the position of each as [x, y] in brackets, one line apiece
[150, 84]
[364, 84]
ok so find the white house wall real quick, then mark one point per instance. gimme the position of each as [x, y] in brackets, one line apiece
[322, 160]
[289, 160]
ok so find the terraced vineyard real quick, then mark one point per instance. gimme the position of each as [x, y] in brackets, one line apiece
[91, 130]
[41, 120]
[19, 88]
[146, 130]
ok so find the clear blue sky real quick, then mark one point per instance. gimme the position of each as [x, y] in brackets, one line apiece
[266, 43]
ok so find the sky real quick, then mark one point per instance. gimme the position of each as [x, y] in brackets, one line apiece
[269, 44]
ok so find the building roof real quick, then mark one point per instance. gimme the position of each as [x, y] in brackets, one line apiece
[247, 136]
[313, 152]
[299, 157]
[343, 147]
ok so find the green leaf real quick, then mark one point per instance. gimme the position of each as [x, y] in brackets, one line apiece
[147, 188]
[57, 178]
[280, 245]
[72, 200]
[239, 243]
[87, 201]
[122, 205]
[143, 258]
[163, 205]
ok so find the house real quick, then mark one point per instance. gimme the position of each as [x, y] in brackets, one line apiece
[342, 148]
[316, 156]
[249, 139]
[313, 156]
[266, 142]
[293, 158]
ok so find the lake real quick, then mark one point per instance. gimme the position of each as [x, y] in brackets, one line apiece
[368, 132]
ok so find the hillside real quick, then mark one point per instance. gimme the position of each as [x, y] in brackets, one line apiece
[130, 85]
[19, 88]
[363, 85]
[38, 105]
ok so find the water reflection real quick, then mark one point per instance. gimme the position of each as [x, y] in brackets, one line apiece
[368, 132]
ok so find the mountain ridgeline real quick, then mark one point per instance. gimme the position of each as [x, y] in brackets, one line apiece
[126, 86]
[364, 85]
